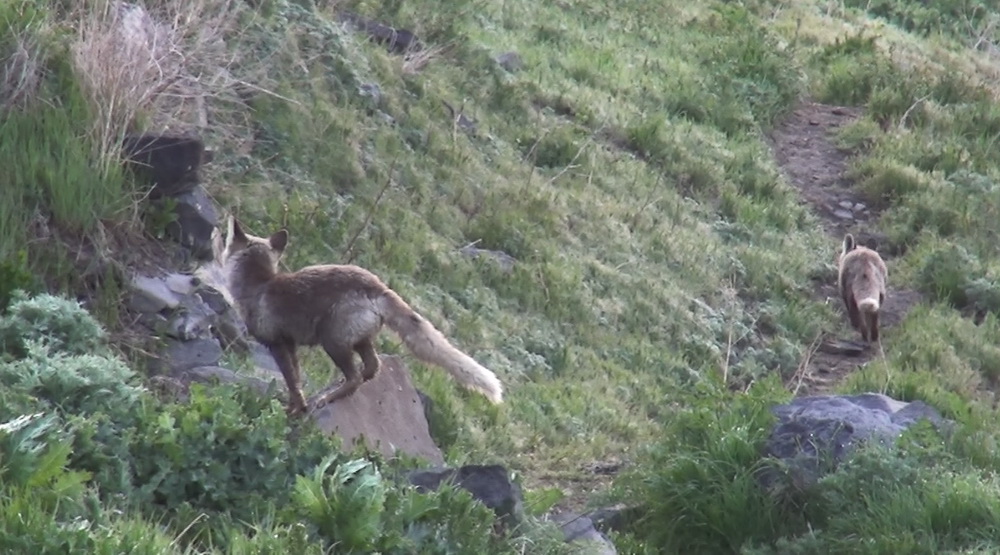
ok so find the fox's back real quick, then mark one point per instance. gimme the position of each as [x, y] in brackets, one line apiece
[300, 303]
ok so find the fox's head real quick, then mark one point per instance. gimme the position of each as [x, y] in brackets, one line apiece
[242, 246]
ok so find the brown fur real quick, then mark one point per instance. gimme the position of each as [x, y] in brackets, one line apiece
[862, 278]
[339, 307]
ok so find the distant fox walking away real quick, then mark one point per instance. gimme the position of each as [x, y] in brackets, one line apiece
[862, 278]
[339, 307]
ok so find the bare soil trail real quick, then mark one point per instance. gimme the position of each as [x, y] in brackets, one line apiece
[805, 151]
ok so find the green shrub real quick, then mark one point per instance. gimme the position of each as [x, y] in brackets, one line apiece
[60, 324]
[355, 510]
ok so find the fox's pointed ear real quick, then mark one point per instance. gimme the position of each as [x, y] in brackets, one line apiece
[236, 238]
[279, 240]
[238, 231]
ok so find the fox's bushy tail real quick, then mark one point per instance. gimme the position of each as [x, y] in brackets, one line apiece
[430, 345]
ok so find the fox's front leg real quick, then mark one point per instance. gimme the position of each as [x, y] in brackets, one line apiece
[284, 356]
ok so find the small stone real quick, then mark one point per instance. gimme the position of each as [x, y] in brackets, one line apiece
[859, 207]
[844, 214]
[846, 204]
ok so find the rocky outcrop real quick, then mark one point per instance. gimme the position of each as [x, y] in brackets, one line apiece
[169, 166]
[814, 434]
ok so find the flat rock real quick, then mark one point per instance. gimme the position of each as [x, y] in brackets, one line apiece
[385, 413]
[178, 355]
[151, 294]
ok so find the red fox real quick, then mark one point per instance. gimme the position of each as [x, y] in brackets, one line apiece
[339, 307]
[862, 279]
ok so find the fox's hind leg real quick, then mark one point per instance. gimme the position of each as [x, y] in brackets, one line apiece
[369, 358]
[344, 359]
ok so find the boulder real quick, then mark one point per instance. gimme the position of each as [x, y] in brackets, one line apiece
[385, 413]
[813, 434]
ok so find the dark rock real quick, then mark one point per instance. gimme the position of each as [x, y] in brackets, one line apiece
[614, 518]
[426, 403]
[398, 41]
[505, 260]
[510, 61]
[196, 220]
[579, 530]
[814, 434]
[490, 484]
[460, 120]
[169, 163]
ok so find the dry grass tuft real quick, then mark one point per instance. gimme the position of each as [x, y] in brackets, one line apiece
[151, 70]
[418, 60]
[21, 74]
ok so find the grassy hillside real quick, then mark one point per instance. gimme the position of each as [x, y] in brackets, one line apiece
[663, 292]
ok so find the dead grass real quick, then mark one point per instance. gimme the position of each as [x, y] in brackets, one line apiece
[151, 70]
[21, 72]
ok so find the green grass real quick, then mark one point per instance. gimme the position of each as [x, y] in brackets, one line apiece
[664, 265]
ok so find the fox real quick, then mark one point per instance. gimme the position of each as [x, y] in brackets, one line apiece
[862, 278]
[341, 308]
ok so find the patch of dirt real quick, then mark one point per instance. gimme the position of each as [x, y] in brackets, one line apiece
[805, 151]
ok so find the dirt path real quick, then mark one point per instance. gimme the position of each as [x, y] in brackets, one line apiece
[804, 149]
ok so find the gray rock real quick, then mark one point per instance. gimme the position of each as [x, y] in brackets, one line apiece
[579, 530]
[182, 284]
[844, 214]
[490, 484]
[372, 91]
[154, 322]
[814, 434]
[196, 220]
[151, 294]
[178, 356]
[510, 61]
[192, 319]
[263, 362]
[859, 207]
[846, 204]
